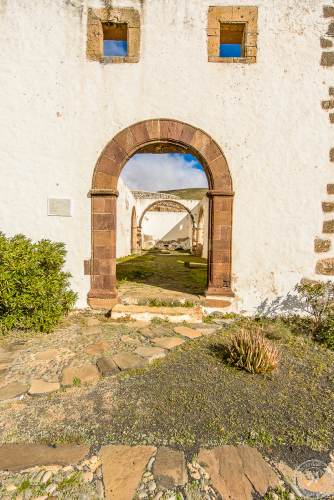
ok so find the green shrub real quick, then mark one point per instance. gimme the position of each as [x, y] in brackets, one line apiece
[325, 333]
[34, 291]
[317, 299]
[251, 351]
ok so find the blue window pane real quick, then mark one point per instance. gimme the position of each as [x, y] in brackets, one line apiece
[230, 50]
[115, 48]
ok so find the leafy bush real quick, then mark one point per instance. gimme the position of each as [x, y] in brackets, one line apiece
[318, 302]
[34, 291]
[252, 352]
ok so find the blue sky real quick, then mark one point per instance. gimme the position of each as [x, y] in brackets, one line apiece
[115, 48]
[230, 50]
[157, 172]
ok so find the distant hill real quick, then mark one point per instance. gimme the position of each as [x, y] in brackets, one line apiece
[188, 194]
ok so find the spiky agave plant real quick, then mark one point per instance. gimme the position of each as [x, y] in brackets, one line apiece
[251, 351]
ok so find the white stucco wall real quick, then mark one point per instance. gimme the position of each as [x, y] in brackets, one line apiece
[125, 204]
[59, 110]
[167, 226]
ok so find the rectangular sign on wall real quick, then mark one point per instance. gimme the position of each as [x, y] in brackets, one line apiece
[60, 207]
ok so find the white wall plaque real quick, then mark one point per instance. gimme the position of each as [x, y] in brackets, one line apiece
[60, 206]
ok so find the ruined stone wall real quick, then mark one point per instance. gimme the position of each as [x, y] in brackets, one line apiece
[59, 109]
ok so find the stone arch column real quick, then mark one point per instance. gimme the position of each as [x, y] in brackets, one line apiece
[160, 135]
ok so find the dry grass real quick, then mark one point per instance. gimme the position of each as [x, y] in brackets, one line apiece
[251, 351]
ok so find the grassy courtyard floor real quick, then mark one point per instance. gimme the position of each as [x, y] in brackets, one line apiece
[190, 398]
[156, 274]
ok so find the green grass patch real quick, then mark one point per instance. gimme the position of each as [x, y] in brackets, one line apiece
[165, 271]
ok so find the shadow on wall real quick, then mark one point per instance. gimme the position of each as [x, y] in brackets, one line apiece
[290, 304]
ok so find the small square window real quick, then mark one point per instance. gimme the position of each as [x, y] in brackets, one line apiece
[232, 34]
[115, 39]
[232, 40]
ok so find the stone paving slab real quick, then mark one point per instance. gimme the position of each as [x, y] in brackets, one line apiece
[97, 348]
[238, 473]
[151, 353]
[207, 330]
[128, 360]
[169, 468]
[40, 386]
[12, 390]
[93, 322]
[47, 355]
[107, 366]
[123, 467]
[129, 340]
[16, 457]
[188, 332]
[87, 374]
[137, 325]
[148, 333]
[7, 357]
[168, 342]
[92, 330]
[320, 487]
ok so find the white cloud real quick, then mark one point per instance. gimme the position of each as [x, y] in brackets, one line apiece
[157, 172]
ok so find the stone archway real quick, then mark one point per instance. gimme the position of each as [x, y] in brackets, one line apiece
[159, 135]
[177, 204]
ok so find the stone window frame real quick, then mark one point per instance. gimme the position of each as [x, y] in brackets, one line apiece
[218, 15]
[95, 38]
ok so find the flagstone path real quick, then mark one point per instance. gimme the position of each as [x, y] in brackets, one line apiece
[82, 352]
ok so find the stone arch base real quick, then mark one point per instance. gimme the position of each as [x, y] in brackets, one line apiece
[161, 135]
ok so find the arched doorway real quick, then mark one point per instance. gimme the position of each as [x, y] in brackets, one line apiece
[159, 203]
[159, 135]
